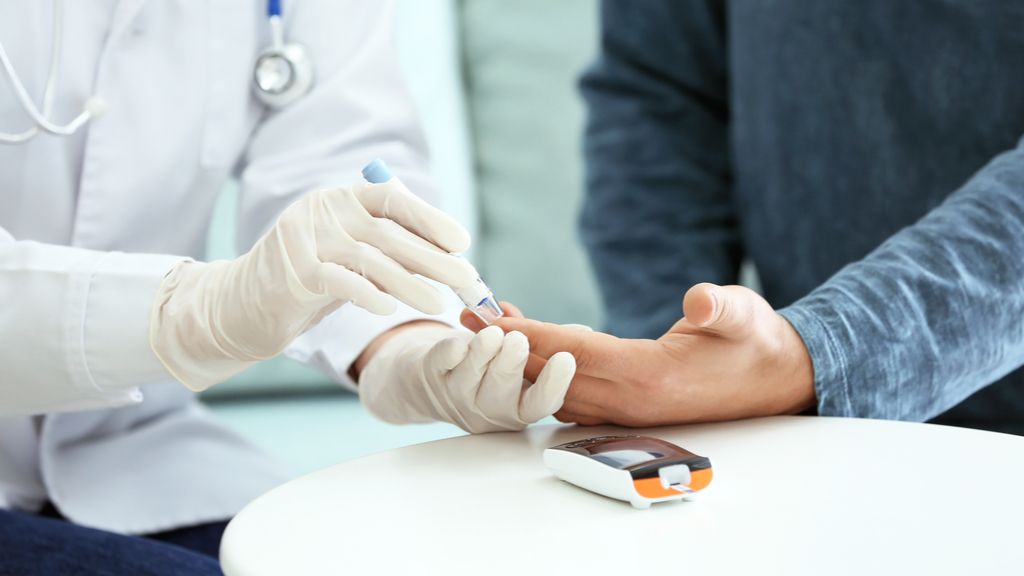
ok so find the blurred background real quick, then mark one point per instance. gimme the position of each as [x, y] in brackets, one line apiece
[495, 86]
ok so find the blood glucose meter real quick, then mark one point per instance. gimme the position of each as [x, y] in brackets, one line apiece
[637, 469]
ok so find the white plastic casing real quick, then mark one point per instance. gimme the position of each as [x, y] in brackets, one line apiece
[598, 477]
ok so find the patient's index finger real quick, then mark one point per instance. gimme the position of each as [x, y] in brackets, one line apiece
[596, 353]
[471, 321]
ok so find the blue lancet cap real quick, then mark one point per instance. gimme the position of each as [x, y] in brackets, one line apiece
[377, 172]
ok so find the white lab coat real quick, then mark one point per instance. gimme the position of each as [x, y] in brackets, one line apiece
[89, 226]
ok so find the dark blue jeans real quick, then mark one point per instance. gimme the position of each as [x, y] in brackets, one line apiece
[46, 543]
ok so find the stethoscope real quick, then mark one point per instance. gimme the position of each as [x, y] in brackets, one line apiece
[283, 73]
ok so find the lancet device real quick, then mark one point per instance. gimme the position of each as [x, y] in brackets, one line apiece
[638, 469]
[477, 296]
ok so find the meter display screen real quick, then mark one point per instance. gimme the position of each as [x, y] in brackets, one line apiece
[640, 455]
[623, 459]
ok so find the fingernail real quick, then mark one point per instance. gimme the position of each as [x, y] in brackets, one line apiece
[714, 307]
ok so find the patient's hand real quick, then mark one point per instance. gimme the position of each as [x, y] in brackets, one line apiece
[730, 357]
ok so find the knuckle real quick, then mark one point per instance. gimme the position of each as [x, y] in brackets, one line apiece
[577, 347]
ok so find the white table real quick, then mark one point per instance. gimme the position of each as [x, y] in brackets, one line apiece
[793, 495]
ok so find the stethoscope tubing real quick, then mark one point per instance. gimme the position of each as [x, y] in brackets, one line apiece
[42, 117]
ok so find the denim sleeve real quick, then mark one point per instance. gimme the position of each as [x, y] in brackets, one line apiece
[658, 215]
[930, 316]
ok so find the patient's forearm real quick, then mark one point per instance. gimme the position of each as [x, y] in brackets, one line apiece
[933, 314]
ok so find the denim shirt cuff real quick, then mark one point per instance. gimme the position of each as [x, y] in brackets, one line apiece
[830, 364]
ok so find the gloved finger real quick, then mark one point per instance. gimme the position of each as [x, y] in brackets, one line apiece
[397, 281]
[395, 202]
[534, 364]
[446, 355]
[335, 245]
[498, 396]
[545, 396]
[343, 284]
[417, 255]
[325, 312]
[467, 376]
[414, 253]
[442, 360]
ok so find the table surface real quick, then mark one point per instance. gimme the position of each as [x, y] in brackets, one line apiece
[790, 495]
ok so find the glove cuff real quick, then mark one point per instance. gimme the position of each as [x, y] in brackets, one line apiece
[181, 330]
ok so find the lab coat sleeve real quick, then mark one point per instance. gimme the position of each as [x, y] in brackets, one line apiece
[74, 326]
[658, 214]
[358, 110]
[930, 316]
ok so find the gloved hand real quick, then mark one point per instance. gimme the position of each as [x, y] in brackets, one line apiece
[360, 245]
[474, 381]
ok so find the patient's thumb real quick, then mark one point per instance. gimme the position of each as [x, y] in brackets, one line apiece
[726, 310]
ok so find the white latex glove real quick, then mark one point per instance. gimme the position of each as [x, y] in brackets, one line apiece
[474, 381]
[360, 245]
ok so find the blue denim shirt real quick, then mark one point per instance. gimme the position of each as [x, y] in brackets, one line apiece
[866, 156]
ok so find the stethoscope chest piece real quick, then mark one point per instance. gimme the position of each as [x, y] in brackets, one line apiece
[282, 74]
